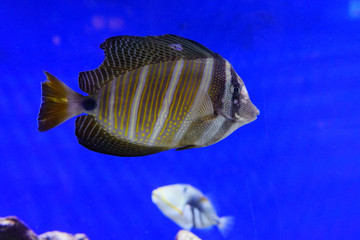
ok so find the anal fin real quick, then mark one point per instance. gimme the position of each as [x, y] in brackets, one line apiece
[93, 136]
[186, 147]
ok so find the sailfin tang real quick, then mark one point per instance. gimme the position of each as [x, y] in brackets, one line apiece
[125, 53]
[93, 136]
[59, 103]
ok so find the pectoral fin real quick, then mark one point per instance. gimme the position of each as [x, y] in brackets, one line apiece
[203, 108]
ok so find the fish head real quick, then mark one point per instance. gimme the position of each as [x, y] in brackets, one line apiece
[170, 195]
[237, 105]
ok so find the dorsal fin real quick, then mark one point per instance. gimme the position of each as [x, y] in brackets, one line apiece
[125, 53]
[93, 136]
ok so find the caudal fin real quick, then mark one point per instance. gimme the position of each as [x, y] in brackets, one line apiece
[59, 103]
[225, 225]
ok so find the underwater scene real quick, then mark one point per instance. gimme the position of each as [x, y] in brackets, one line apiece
[180, 120]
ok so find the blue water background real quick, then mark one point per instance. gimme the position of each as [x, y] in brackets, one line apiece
[294, 173]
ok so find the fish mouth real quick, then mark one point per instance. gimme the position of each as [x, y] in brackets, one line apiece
[238, 118]
[247, 113]
[250, 113]
[242, 117]
[154, 196]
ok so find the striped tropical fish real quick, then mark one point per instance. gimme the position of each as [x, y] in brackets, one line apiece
[189, 208]
[150, 94]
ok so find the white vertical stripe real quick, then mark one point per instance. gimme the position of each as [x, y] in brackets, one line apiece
[81, 127]
[203, 89]
[111, 104]
[107, 75]
[83, 130]
[227, 94]
[167, 100]
[136, 101]
[211, 131]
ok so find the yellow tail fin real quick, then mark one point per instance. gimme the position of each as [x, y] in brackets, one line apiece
[59, 103]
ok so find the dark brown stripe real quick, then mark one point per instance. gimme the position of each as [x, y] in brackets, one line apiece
[221, 132]
[217, 87]
[235, 107]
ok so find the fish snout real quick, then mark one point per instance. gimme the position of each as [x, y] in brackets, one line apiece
[248, 112]
[155, 196]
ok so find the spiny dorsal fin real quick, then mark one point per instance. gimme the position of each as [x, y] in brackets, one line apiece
[125, 53]
[93, 136]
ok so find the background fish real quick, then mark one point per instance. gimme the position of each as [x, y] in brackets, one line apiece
[189, 208]
[56, 235]
[186, 235]
[151, 94]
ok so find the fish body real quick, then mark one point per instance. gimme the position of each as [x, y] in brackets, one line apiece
[149, 95]
[188, 207]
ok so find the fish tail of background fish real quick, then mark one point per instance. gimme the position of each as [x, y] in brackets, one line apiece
[59, 103]
[225, 225]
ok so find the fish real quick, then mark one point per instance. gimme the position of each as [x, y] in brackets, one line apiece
[189, 208]
[186, 235]
[150, 94]
[56, 235]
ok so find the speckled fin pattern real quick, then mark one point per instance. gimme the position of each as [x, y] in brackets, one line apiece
[93, 136]
[126, 53]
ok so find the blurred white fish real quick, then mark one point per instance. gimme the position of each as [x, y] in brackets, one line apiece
[56, 235]
[189, 208]
[186, 235]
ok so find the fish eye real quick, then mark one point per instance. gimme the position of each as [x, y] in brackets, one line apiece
[185, 188]
[234, 89]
